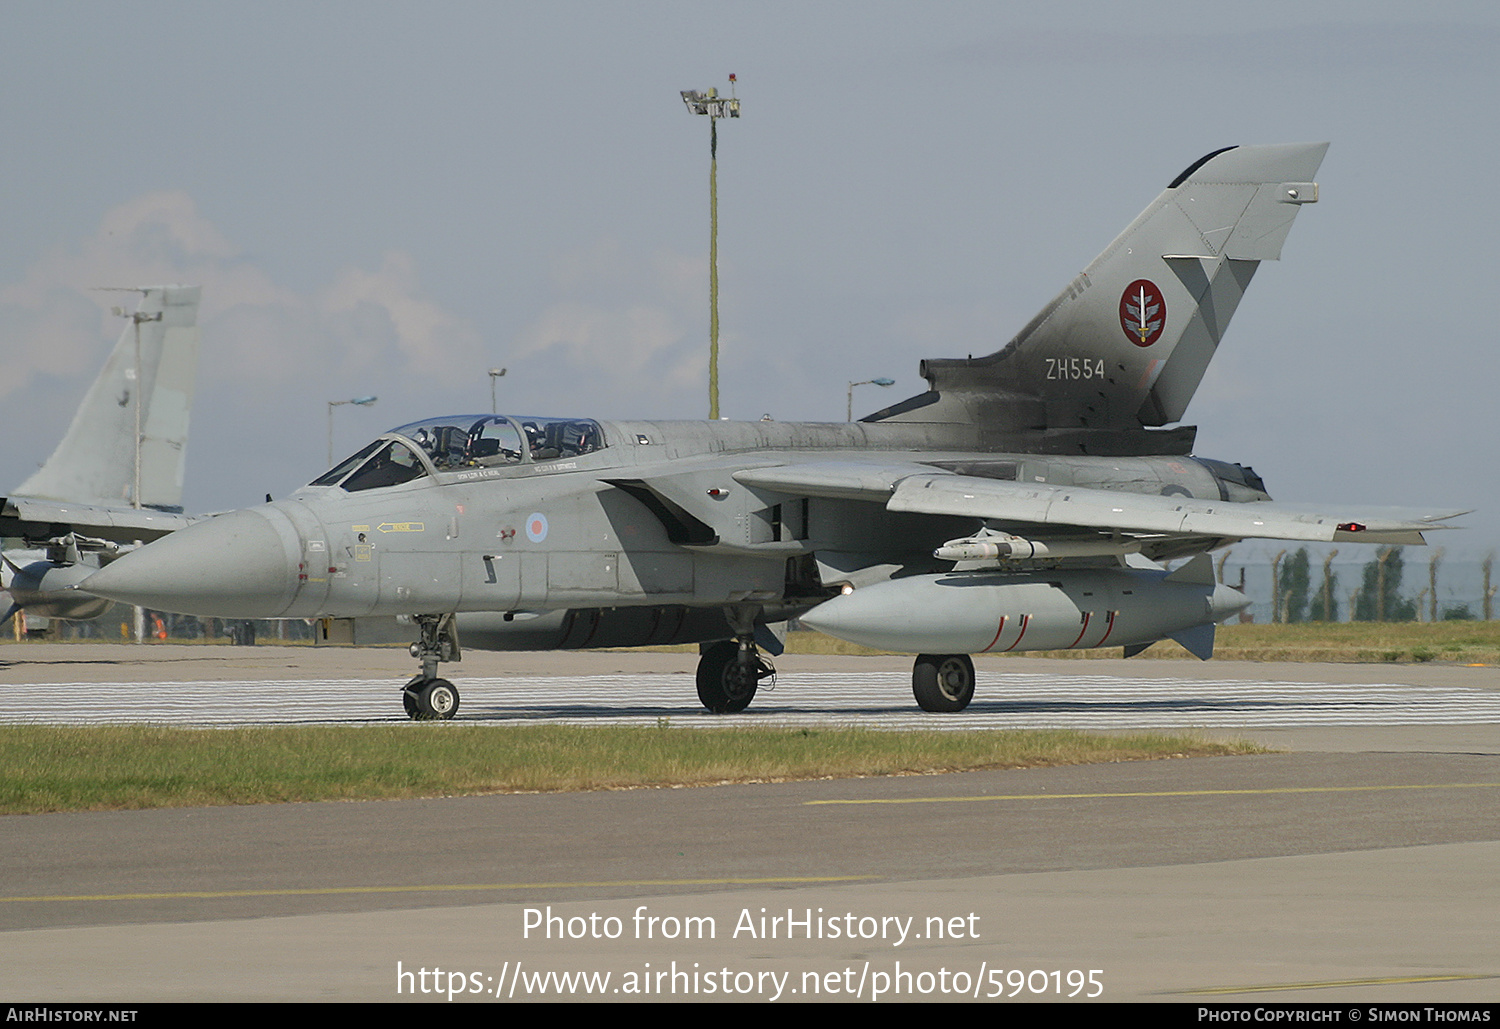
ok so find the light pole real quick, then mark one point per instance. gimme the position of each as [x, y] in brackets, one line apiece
[137, 317]
[849, 409]
[716, 107]
[495, 373]
[361, 401]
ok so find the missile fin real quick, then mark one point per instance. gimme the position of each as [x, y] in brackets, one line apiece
[1198, 572]
[1199, 640]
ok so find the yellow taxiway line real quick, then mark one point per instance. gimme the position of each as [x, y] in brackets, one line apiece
[321, 891]
[1157, 793]
[1394, 980]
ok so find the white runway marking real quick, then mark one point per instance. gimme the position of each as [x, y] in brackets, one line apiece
[875, 700]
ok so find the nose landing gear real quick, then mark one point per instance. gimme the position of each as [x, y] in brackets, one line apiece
[427, 697]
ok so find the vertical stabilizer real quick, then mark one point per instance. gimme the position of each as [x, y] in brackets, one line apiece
[1126, 343]
[96, 461]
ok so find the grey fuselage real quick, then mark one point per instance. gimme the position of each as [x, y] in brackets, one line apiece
[652, 518]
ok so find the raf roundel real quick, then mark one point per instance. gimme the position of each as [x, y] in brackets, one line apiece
[1143, 312]
[536, 527]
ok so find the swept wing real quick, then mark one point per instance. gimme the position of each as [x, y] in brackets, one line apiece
[1069, 509]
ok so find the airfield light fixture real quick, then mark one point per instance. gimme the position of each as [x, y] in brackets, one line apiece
[849, 410]
[709, 102]
[361, 401]
[495, 373]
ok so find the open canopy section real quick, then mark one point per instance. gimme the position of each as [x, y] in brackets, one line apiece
[463, 441]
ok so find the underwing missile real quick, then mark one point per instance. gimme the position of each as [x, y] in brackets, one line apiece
[46, 589]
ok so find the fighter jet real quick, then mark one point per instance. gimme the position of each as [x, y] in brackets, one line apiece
[1022, 502]
[98, 491]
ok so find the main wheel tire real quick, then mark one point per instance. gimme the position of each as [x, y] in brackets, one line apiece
[433, 700]
[943, 682]
[722, 685]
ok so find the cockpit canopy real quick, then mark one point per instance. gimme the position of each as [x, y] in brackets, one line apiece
[463, 441]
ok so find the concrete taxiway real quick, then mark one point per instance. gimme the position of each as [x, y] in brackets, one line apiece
[1357, 866]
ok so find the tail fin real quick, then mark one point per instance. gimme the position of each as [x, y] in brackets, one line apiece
[1127, 342]
[95, 462]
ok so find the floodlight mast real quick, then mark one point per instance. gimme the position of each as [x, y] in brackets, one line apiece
[849, 409]
[716, 107]
[361, 401]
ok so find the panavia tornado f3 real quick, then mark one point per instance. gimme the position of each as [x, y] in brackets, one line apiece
[1022, 502]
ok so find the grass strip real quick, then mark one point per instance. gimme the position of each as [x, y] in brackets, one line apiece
[89, 768]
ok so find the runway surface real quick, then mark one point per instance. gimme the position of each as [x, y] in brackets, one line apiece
[871, 692]
[1360, 866]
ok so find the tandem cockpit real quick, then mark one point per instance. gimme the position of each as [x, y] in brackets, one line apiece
[461, 443]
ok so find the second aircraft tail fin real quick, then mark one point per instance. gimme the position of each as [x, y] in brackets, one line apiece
[96, 461]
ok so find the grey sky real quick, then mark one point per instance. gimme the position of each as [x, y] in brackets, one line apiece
[391, 198]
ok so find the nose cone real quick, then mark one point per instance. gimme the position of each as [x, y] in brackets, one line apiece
[238, 565]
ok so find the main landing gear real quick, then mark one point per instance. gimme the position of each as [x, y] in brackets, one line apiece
[729, 673]
[427, 697]
[943, 682]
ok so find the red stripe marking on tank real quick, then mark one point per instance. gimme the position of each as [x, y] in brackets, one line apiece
[998, 631]
[1109, 628]
[1086, 616]
[1025, 621]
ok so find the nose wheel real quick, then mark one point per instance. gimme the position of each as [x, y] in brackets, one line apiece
[426, 697]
